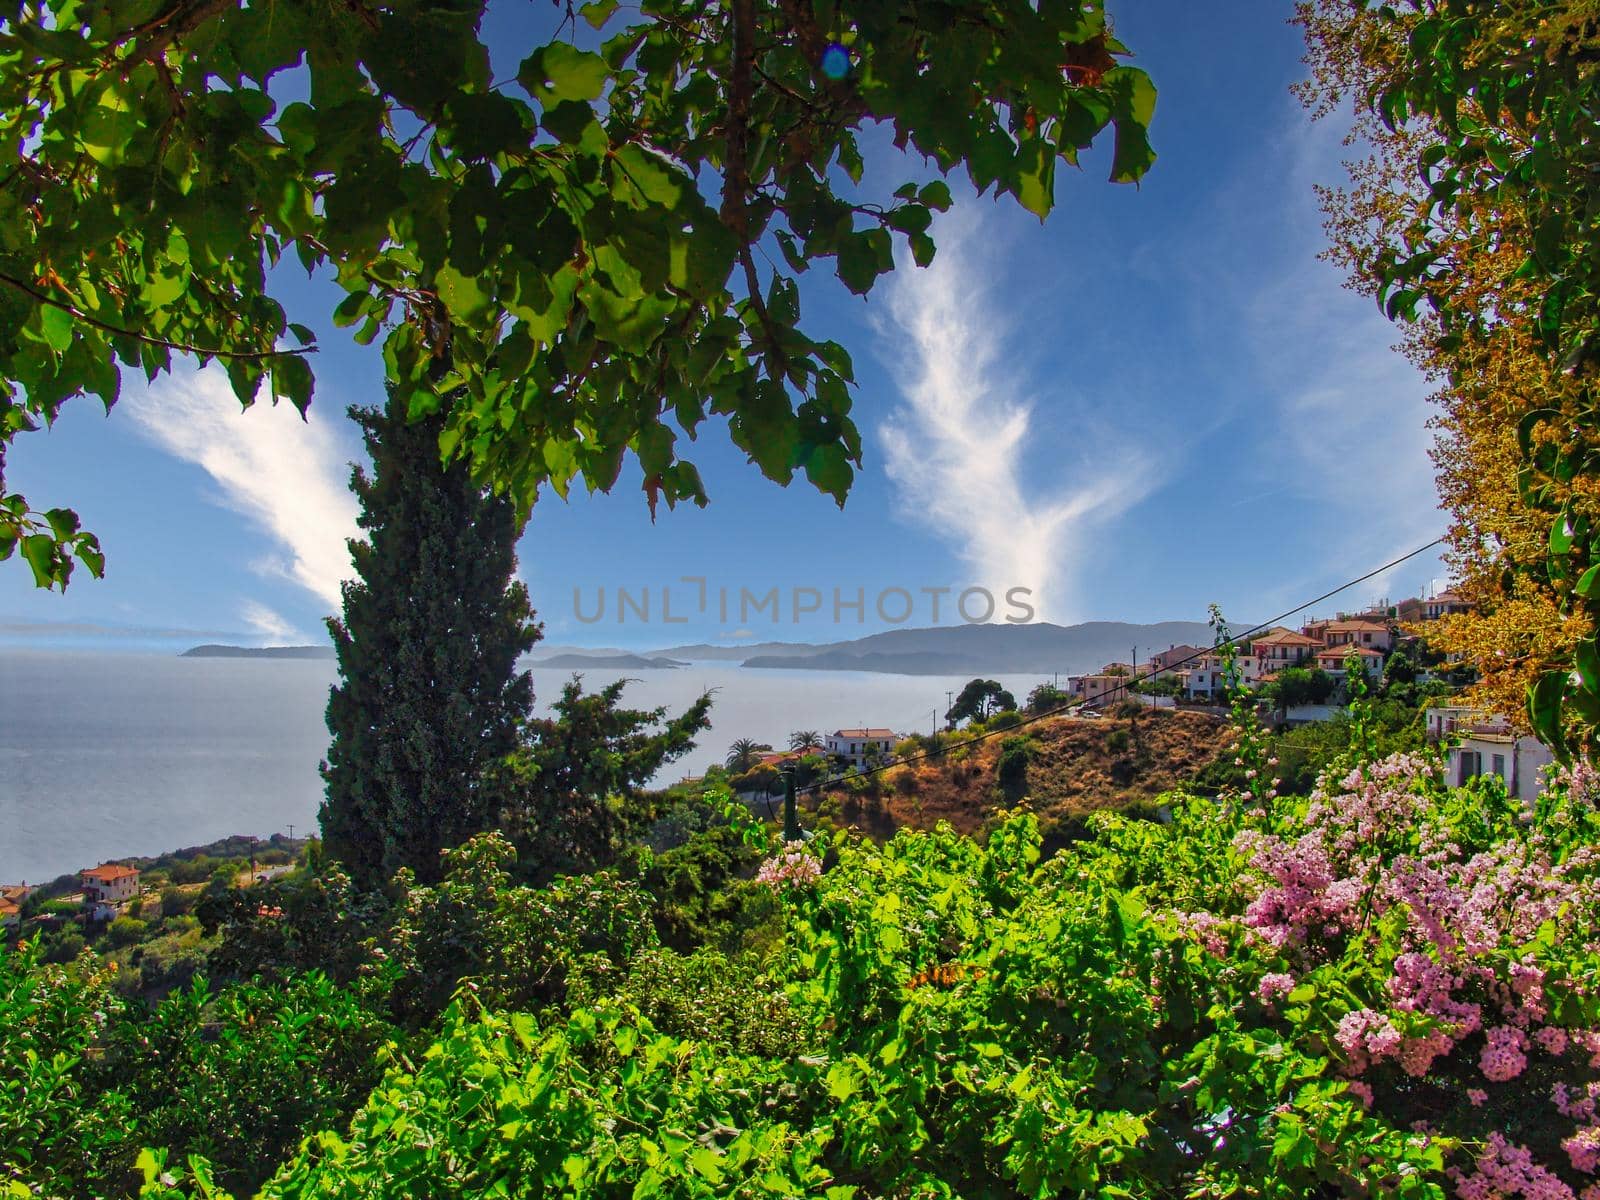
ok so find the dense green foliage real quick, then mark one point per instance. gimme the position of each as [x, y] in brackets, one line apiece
[1501, 101]
[429, 696]
[238, 1075]
[562, 263]
[570, 793]
[979, 700]
[1263, 997]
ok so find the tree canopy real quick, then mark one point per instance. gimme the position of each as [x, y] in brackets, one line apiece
[584, 261]
[1473, 221]
[979, 699]
[429, 696]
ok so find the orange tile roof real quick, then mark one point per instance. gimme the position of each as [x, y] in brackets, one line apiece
[1284, 637]
[108, 872]
[1358, 627]
[1341, 651]
[864, 733]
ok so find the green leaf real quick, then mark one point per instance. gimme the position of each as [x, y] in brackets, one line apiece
[560, 71]
[598, 12]
[1586, 657]
[655, 179]
[829, 470]
[56, 325]
[39, 549]
[1562, 533]
[1133, 104]
[935, 195]
[1586, 582]
[1544, 709]
[1036, 177]
[631, 323]
[464, 295]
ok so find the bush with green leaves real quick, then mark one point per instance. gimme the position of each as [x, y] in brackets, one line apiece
[513, 945]
[1385, 988]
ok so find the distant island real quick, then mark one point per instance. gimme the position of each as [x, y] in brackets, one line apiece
[1038, 648]
[214, 651]
[619, 662]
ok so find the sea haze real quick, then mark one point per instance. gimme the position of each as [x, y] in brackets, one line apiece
[109, 755]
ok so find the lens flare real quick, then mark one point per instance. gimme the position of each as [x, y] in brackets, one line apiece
[836, 61]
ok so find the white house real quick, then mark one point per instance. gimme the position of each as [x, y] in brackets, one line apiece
[1333, 658]
[1517, 760]
[857, 746]
[1370, 635]
[1443, 605]
[1446, 720]
[1101, 688]
[1165, 662]
[1208, 677]
[107, 886]
[1280, 648]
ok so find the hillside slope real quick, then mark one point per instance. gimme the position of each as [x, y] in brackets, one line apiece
[1077, 766]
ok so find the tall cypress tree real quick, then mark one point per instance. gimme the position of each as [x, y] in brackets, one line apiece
[429, 694]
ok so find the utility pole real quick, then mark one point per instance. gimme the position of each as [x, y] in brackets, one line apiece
[949, 703]
[291, 836]
[791, 818]
[1133, 713]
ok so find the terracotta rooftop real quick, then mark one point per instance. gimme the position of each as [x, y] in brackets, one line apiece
[107, 872]
[1341, 651]
[878, 734]
[1358, 626]
[1284, 637]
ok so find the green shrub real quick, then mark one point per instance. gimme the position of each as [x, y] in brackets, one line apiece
[1011, 766]
[126, 931]
[705, 996]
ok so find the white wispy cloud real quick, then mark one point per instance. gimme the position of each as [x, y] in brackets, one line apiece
[266, 623]
[286, 476]
[1346, 428]
[957, 449]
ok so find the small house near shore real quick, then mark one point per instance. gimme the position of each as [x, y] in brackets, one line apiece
[859, 746]
[106, 888]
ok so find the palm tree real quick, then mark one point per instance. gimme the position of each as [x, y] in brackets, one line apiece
[801, 738]
[742, 755]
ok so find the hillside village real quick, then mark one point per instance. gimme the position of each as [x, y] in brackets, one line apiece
[1299, 676]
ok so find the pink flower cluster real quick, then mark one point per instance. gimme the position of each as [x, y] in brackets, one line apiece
[792, 868]
[1304, 899]
[1207, 929]
[1583, 1149]
[1503, 1058]
[1375, 860]
[1274, 985]
[1369, 1038]
[1504, 1170]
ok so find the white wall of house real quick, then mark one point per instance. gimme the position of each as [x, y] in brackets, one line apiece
[1519, 761]
[110, 891]
[857, 746]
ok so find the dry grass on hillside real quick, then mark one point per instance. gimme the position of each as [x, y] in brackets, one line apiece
[1077, 767]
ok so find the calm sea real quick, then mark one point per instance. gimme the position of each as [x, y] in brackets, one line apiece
[107, 755]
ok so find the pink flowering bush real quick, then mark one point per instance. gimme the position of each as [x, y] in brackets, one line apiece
[1440, 945]
[792, 867]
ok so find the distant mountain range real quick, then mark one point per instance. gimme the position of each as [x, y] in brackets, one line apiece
[1039, 648]
[212, 651]
[615, 661]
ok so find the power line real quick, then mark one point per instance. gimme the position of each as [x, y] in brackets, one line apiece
[1197, 655]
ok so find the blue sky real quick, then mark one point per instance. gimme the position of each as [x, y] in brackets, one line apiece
[1157, 400]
